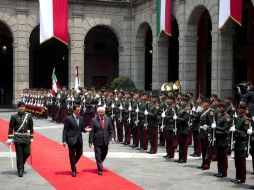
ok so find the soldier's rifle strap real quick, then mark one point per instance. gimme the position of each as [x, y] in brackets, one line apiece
[22, 123]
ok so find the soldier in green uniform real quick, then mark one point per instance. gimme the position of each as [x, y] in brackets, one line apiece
[163, 106]
[183, 130]
[153, 111]
[222, 140]
[169, 124]
[21, 133]
[241, 141]
[205, 123]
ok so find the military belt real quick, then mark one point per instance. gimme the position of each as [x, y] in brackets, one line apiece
[23, 134]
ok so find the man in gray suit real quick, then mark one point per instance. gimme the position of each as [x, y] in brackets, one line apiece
[101, 134]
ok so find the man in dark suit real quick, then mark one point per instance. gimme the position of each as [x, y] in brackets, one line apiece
[72, 136]
[101, 134]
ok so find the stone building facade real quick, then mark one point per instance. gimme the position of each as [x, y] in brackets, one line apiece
[204, 56]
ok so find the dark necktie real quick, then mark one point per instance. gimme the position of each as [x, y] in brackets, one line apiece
[102, 123]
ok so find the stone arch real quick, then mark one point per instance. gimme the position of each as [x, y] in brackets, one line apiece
[6, 72]
[113, 25]
[168, 54]
[194, 74]
[101, 57]
[43, 58]
[140, 54]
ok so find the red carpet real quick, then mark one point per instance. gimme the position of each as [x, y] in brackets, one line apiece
[50, 159]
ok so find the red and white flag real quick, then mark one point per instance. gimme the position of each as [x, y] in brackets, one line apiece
[77, 82]
[164, 16]
[54, 20]
[55, 83]
[230, 9]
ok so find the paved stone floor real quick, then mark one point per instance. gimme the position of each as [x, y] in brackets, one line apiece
[151, 172]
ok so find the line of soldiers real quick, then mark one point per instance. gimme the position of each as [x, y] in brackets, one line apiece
[167, 118]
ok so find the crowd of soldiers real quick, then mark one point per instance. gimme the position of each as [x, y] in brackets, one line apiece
[216, 127]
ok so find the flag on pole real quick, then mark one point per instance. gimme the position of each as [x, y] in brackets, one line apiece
[55, 84]
[230, 9]
[77, 82]
[164, 16]
[54, 20]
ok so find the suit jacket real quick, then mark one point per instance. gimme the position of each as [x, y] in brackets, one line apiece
[99, 136]
[72, 132]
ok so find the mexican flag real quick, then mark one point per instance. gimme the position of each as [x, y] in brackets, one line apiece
[55, 84]
[54, 20]
[77, 82]
[230, 9]
[164, 16]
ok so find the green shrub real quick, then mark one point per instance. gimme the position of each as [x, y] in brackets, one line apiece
[122, 83]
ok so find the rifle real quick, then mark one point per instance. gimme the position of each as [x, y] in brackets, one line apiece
[162, 119]
[129, 110]
[137, 111]
[146, 123]
[213, 128]
[121, 113]
[175, 129]
[248, 146]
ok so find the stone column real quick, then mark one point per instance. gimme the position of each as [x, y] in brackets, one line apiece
[222, 74]
[160, 63]
[188, 63]
[139, 67]
[76, 50]
[20, 54]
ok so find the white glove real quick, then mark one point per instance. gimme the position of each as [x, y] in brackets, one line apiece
[137, 110]
[113, 106]
[163, 115]
[129, 108]
[175, 117]
[205, 127]
[146, 112]
[121, 107]
[9, 141]
[249, 131]
[32, 140]
[213, 125]
[232, 129]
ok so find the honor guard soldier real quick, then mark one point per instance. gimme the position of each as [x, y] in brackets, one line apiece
[163, 106]
[152, 119]
[143, 122]
[119, 116]
[90, 108]
[21, 133]
[241, 141]
[135, 124]
[169, 125]
[195, 117]
[205, 123]
[126, 103]
[183, 130]
[222, 140]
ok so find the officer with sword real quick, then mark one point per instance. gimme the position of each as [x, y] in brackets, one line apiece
[21, 134]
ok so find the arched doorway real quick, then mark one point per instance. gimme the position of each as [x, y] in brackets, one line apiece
[6, 64]
[204, 50]
[243, 46]
[173, 53]
[148, 59]
[43, 58]
[143, 57]
[101, 65]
